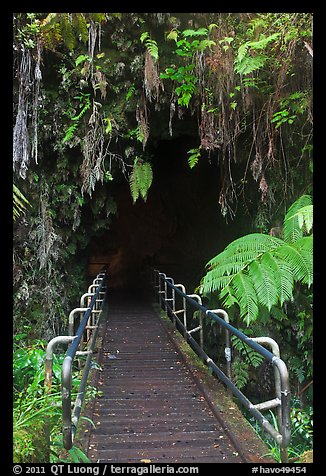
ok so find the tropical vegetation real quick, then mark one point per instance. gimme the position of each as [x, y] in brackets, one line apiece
[95, 96]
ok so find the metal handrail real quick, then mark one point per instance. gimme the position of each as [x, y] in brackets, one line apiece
[282, 400]
[70, 416]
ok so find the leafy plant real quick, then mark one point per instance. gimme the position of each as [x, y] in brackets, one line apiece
[292, 105]
[151, 45]
[84, 104]
[301, 434]
[244, 358]
[140, 179]
[247, 60]
[186, 80]
[193, 157]
[260, 270]
[19, 202]
[187, 47]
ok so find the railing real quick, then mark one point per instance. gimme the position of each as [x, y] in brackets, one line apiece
[82, 343]
[167, 291]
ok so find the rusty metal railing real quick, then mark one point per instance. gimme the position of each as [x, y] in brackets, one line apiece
[82, 343]
[166, 291]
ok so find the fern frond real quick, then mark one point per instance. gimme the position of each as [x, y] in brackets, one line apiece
[264, 283]
[200, 32]
[244, 63]
[193, 157]
[249, 64]
[19, 202]
[299, 213]
[246, 248]
[140, 179]
[240, 372]
[299, 256]
[80, 26]
[246, 296]
[67, 30]
[250, 355]
[151, 45]
[283, 276]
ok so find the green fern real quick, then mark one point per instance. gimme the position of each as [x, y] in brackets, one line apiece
[151, 45]
[67, 28]
[140, 179]
[246, 62]
[193, 157]
[298, 219]
[260, 270]
[250, 356]
[19, 202]
[240, 371]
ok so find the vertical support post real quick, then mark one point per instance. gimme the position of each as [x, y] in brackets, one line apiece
[172, 298]
[48, 380]
[159, 290]
[227, 349]
[276, 351]
[184, 308]
[201, 330]
[163, 277]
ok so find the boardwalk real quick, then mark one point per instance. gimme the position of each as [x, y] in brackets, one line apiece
[151, 408]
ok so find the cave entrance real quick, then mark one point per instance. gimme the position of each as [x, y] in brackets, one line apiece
[177, 230]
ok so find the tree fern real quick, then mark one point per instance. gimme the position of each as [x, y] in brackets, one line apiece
[140, 179]
[260, 270]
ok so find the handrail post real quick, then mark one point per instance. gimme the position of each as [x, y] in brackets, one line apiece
[156, 285]
[227, 349]
[163, 277]
[184, 310]
[49, 357]
[285, 407]
[201, 330]
[66, 402]
[71, 321]
[48, 379]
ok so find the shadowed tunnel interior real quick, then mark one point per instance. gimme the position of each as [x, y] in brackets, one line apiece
[177, 230]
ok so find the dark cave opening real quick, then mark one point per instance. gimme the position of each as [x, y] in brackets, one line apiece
[177, 230]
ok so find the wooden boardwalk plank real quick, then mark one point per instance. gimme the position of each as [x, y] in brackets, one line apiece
[151, 407]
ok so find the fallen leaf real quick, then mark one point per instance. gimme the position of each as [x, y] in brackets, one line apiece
[145, 461]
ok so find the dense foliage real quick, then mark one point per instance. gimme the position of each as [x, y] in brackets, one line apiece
[88, 91]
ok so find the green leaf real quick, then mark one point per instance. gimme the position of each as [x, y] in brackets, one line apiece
[140, 179]
[191, 33]
[194, 157]
[173, 35]
[19, 202]
[144, 36]
[81, 59]
[151, 45]
[246, 296]
[295, 218]
[248, 64]
[264, 283]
